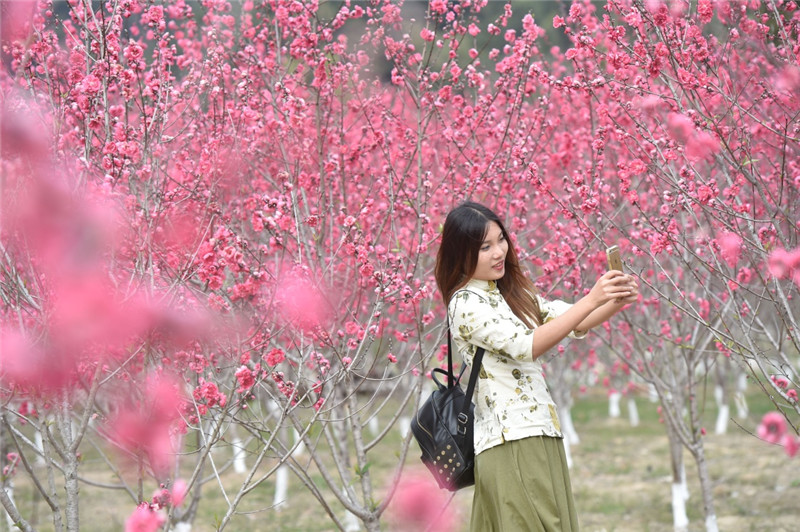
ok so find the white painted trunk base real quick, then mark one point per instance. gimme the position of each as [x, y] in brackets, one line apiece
[373, 426]
[613, 404]
[404, 426]
[633, 412]
[300, 450]
[718, 394]
[568, 426]
[239, 464]
[723, 415]
[742, 410]
[279, 501]
[711, 523]
[182, 527]
[680, 520]
[683, 484]
[39, 447]
[351, 523]
[652, 393]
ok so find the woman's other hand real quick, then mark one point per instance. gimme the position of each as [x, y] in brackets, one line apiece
[633, 287]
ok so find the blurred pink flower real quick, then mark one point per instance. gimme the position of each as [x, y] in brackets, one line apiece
[730, 245]
[782, 263]
[680, 126]
[419, 504]
[791, 444]
[650, 102]
[788, 80]
[772, 427]
[302, 302]
[179, 490]
[10, 468]
[27, 365]
[144, 427]
[702, 145]
[144, 519]
[85, 310]
[16, 20]
[780, 381]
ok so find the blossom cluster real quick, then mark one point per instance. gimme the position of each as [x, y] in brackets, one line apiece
[773, 429]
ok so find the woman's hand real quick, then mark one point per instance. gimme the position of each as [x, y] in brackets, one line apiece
[614, 286]
[588, 312]
[613, 291]
[633, 287]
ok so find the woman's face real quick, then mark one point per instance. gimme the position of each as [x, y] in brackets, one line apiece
[492, 255]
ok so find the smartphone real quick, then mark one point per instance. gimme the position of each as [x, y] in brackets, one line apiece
[614, 260]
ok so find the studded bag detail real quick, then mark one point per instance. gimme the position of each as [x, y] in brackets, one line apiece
[443, 426]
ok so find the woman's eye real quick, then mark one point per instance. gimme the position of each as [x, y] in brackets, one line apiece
[485, 248]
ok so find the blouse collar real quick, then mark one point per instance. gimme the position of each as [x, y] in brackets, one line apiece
[486, 286]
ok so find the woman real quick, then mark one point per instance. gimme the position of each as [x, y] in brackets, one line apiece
[521, 476]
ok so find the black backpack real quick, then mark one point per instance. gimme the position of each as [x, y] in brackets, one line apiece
[443, 426]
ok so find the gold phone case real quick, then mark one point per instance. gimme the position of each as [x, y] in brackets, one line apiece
[614, 260]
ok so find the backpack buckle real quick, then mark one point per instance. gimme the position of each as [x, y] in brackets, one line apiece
[462, 423]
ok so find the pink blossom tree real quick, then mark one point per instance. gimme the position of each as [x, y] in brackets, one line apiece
[694, 180]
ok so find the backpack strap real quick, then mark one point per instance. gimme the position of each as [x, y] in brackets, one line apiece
[463, 418]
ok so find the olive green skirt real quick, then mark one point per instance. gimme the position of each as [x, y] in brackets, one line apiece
[523, 485]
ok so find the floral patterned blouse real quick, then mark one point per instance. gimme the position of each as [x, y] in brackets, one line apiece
[512, 400]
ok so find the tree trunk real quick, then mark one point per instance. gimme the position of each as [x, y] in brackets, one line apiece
[706, 487]
[680, 490]
[372, 524]
[72, 489]
[70, 464]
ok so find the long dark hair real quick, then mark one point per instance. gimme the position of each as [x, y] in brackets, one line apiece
[464, 231]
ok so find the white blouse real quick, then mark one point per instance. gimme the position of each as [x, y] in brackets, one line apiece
[511, 398]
